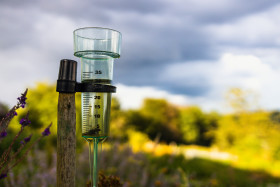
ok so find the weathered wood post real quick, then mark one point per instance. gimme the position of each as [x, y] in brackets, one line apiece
[66, 124]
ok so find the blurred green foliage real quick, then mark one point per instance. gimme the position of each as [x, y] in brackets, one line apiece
[157, 117]
[165, 122]
[253, 135]
[187, 125]
[197, 125]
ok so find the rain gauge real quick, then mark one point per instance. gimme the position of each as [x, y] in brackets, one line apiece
[97, 48]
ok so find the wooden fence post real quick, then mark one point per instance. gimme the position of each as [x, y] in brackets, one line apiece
[66, 126]
[66, 140]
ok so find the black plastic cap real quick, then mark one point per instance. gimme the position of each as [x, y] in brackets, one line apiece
[66, 82]
[67, 70]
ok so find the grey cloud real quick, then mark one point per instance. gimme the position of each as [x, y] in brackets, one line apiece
[199, 10]
[215, 11]
[190, 90]
[16, 26]
[144, 6]
[155, 33]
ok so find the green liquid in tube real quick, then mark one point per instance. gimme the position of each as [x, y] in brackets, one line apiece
[96, 114]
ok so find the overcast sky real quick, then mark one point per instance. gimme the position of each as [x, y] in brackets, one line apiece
[187, 51]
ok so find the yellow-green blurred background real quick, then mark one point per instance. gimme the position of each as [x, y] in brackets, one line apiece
[160, 144]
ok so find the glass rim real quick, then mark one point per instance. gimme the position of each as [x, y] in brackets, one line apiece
[97, 28]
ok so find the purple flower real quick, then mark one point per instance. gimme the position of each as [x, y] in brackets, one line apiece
[46, 132]
[22, 99]
[3, 175]
[11, 113]
[3, 134]
[25, 121]
[26, 140]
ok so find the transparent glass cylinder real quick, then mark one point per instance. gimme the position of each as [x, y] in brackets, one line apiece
[97, 48]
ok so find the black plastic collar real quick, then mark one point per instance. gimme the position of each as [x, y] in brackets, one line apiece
[91, 87]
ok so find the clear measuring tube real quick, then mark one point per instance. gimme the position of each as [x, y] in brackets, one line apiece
[98, 70]
[97, 48]
[96, 115]
[96, 106]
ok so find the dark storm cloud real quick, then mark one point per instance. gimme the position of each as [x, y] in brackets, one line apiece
[144, 6]
[88, 9]
[153, 47]
[155, 33]
[228, 10]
